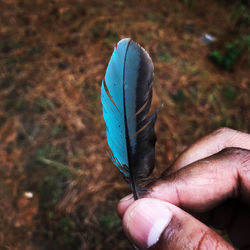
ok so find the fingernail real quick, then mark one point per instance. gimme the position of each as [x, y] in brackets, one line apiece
[146, 221]
[126, 198]
[124, 204]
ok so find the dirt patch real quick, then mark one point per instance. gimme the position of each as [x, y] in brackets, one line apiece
[52, 134]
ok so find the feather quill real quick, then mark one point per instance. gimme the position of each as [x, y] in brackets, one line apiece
[126, 95]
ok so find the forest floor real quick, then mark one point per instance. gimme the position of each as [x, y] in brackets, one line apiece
[58, 187]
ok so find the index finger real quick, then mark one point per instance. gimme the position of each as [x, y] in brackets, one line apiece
[203, 184]
[211, 144]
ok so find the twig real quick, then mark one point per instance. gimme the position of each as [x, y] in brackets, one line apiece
[58, 165]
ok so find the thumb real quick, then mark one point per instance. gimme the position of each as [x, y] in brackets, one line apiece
[161, 225]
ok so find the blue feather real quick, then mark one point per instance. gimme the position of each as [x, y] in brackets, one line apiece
[126, 95]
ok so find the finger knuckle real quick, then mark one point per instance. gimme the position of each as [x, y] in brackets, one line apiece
[224, 135]
[234, 152]
[239, 155]
[222, 131]
[208, 240]
[204, 241]
[245, 162]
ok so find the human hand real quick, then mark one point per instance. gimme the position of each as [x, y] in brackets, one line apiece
[208, 184]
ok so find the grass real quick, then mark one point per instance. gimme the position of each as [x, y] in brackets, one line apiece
[109, 221]
[50, 152]
[42, 104]
[57, 130]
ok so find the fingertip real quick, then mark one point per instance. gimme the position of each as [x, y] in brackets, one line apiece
[145, 220]
[154, 223]
[123, 204]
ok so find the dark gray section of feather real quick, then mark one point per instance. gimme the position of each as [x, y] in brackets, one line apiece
[143, 160]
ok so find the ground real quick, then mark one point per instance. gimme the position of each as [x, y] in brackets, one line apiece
[53, 56]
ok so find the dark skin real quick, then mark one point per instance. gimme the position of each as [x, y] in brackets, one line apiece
[209, 185]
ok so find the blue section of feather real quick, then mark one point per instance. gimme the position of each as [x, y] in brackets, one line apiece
[119, 78]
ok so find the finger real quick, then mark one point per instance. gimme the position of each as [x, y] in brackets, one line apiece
[205, 183]
[203, 148]
[161, 225]
[123, 204]
[233, 217]
[211, 144]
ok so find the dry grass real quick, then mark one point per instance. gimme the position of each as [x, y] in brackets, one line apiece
[52, 136]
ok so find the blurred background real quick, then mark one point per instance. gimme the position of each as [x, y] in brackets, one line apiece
[58, 188]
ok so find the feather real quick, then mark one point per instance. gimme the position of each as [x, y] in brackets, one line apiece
[126, 95]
